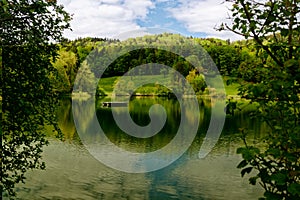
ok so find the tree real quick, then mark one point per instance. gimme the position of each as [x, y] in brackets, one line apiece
[86, 81]
[182, 67]
[196, 80]
[66, 66]
[226, 58]
[274, 26]
[28, 30]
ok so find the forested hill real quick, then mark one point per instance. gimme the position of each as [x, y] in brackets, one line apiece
[230, 58]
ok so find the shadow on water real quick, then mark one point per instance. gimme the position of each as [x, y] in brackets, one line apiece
[72, 173]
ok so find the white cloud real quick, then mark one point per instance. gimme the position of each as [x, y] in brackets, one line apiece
[111, 1]
[203, 16]
[108, 18]
[104, 18]
[140, 7]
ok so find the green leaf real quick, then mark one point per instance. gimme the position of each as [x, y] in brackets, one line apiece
[246, 170]
[284, 32]
[242, 164]
[240, 150]
[272, 196]
[255, 150]
[294, 189]
[248, 153]
[278, 127]
[252, 180]
[274, 151]
[279, 178]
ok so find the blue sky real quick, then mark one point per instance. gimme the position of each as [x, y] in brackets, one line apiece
[109, 18]
[161, 17]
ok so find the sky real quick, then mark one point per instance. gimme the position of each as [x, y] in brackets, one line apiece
[112, 18]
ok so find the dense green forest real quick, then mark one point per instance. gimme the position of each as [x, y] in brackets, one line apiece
[233, 59]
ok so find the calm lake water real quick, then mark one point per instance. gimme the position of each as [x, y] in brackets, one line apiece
[73, 173]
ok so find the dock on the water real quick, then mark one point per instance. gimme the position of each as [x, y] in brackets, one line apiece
[114, 103]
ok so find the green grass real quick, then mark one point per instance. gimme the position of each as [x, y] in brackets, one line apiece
[150, 78]
[108, 84]
[231, 89]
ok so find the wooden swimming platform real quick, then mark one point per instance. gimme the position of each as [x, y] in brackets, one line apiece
[115, 104]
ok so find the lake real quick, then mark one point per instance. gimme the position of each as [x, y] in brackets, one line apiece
[73, 173]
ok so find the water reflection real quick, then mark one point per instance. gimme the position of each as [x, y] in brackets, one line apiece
[97, 142]
[72, 173]
[139, 112]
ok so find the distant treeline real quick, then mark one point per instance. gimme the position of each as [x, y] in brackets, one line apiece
[235, 59]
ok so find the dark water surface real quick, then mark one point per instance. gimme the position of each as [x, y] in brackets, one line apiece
[72, 173]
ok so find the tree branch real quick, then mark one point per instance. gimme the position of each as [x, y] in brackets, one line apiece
[256, 37]
[236, 32]
[268, 17]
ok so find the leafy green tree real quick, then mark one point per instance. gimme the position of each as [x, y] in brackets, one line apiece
[250, 70]
[274, 26]
[196, 80]
[66, 65]
[86, 81]
[83, 51]
[182, 67]
[28, 29]
[226, 57]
